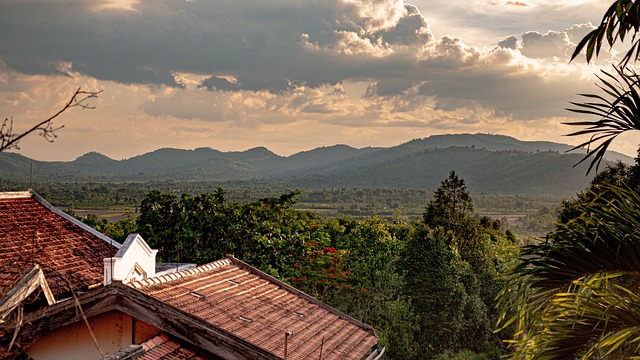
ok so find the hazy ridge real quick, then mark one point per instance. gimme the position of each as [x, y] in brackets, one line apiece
[488, 163]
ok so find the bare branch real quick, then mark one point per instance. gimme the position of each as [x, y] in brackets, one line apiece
[9, 140]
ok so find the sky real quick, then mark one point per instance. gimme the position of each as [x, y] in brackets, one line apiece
[292, 75]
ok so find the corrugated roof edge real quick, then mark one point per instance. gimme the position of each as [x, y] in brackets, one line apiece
[232, 260]
[302, 294]
[70, 218]
[179, 274]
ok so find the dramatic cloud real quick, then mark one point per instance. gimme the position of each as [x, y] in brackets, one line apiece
[190, 73]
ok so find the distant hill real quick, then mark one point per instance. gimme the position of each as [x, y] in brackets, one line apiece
[488, 163]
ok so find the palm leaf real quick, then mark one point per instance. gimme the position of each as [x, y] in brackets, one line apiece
[616, 115]
[620, 19]
[564, 297]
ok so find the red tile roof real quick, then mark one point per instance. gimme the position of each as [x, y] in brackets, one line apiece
[162, 347]
[9, 277]
[237, 298]
[69, 252]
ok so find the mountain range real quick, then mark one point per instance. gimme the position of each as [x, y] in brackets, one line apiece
[488, 163]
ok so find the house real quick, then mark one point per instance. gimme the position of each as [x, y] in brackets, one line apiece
[72, 255]
[111, 303]
[225, 309]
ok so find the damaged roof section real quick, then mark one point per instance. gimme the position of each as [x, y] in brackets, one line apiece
[241, 300]
[17, 284]
[69, 252]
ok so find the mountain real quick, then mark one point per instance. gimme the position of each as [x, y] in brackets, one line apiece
[488, 163]
[502, 142]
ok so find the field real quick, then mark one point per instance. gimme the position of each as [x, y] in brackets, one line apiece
[526, 215]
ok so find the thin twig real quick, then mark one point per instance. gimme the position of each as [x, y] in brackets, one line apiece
[9, 140]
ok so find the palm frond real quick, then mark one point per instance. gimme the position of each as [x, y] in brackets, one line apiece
[561, 298]
[594, 316]
[606, 238]
[618, 111]
[622, 18]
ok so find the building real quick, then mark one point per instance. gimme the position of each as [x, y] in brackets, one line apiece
[107, 301]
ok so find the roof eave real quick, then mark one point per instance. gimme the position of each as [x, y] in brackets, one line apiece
[135, 303]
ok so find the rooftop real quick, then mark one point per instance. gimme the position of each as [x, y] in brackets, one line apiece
[241, 300]
[69, 252]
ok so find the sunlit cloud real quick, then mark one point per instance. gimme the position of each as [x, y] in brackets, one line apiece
[291, 75]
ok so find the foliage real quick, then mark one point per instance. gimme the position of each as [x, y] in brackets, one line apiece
[461, 355]
[618, 111]
[451, 202]
[398, 329]
[433, 285]
[449, 274]
[574, 297]
[354, 271]
[616, 174]
[267, 233]
[621, 20]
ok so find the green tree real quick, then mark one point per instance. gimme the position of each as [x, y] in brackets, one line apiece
[449, 274]
[451, 203]
[267, 233]
[432, 282]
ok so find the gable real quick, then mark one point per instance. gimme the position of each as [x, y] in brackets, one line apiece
[17, 284]
[135, 260]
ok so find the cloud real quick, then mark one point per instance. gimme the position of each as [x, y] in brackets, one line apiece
[149, 40]
[547, 45]
[219, 83]
[509, 43]
[360, 66]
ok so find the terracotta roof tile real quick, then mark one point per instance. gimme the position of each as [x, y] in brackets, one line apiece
[237, 298]
[33, 232]
[9, 276]
[162, 347]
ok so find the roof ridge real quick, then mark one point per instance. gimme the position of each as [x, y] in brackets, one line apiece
[35, 196]
[15, 194]
[180, 274]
